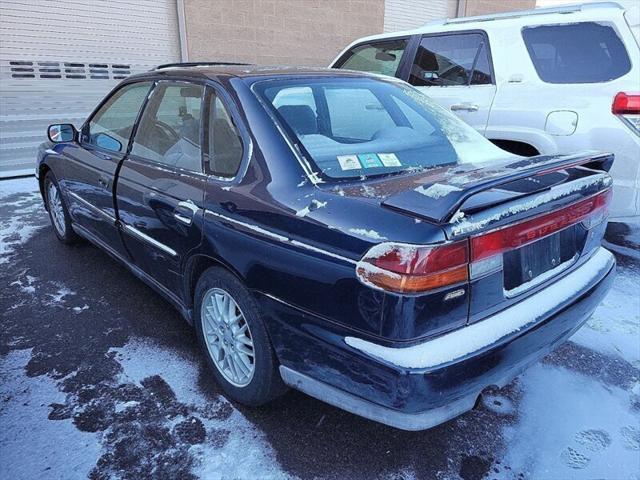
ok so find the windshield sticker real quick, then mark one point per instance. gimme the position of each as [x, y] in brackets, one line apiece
[349, 162]
[370, 160]
[389, 160]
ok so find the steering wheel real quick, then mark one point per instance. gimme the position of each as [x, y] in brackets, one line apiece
[171, 136]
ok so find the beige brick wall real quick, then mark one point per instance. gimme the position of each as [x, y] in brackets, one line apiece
[482, 7]
[277, 32]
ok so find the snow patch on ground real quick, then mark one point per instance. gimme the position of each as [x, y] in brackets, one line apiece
[614, 328]
[19, 200]
[245, 451]
[28, 286]
[58, 297]
[571, 426]
[31, 445]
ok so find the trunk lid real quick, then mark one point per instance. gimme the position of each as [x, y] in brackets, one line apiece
[528, 221]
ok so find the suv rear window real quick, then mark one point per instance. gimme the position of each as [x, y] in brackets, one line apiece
[585, 52]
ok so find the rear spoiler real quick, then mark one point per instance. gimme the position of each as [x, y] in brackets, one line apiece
[441, 207]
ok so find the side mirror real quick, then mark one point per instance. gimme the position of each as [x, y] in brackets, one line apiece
[62, 132]
[107, 142]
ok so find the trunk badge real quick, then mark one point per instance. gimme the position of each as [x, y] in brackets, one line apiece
[455, 294]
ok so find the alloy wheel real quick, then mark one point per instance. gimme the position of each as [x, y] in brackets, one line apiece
[228, 337]
[56, 209]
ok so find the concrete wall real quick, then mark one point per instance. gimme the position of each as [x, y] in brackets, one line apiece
[277, 32]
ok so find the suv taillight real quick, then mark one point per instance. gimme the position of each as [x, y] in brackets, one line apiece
[405, 268]
[627, 107]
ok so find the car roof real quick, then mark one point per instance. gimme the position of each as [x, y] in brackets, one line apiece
[216, 70]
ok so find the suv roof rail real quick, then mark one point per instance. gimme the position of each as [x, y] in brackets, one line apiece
[535, 11]
[196, 64]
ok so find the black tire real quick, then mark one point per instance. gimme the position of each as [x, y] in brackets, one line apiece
[266, 383]
[64, 231]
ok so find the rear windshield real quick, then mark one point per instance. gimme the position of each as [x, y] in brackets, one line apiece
[586, 52]
[361, 127]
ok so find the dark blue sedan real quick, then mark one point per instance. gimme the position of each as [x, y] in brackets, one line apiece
[335, 232]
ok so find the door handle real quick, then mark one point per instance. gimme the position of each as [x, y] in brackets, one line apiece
[103, 180]
[185, 211]
[469, 107]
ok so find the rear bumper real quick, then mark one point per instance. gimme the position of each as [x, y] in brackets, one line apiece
[418, 387]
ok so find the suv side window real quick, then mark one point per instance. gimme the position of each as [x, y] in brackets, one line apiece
[169, 130]
[110, 128]
[223, 144]
[455, 59]
[375, 57]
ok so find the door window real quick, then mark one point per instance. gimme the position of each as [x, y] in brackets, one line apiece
[379, 57]
[111, 126]
[169, 130]
[224, 145]
[446, 60]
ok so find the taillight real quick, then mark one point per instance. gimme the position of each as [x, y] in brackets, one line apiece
[405, 268]
[626, 103]
[627, 107]
[528, 231]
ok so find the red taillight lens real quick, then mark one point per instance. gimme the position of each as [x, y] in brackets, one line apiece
[518, 235]
[626, 104]
[413, 268]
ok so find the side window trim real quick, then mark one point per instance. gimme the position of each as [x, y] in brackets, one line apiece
[213, 88]
[84, 130]
[485, 42]
[134, 131]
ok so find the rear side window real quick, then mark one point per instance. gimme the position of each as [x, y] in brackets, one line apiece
[223, 150]
[448, 60]
[380, 57]
[585, 52]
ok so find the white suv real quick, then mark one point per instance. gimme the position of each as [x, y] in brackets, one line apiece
[544, 81]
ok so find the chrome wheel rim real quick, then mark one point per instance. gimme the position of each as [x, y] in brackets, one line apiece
[55, 208]
[228, 337]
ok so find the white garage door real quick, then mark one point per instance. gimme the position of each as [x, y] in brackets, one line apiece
[59, 58]
[407, 14]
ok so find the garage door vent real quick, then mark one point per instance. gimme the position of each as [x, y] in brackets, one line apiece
[70, 70]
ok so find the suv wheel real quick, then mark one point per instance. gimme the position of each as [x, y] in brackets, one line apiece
[233, 337]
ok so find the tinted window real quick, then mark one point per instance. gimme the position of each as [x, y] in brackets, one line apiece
[451, 60]
[379, 57]
[111, 126]
[371, 127]
[577, 53]
[224, 146]
[169, 130]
